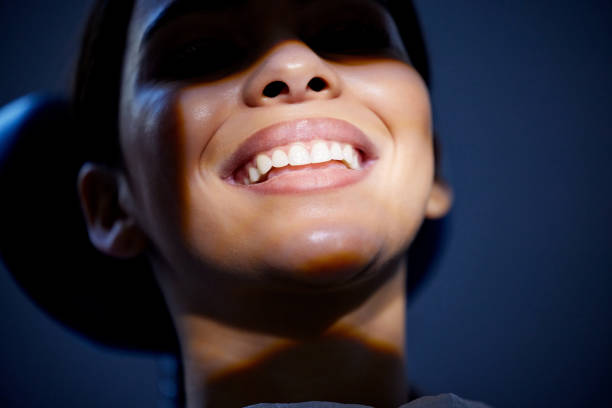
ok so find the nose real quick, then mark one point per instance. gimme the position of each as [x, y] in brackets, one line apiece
[291, 73]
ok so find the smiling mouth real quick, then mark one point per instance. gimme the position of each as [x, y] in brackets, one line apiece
[301, 155]
[317, 155]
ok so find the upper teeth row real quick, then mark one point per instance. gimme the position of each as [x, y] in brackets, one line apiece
[298, 155]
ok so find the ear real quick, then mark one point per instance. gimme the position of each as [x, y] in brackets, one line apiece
[112, 229]
[440, 200]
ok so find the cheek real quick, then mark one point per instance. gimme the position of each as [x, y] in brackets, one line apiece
[208, 229]
[396, 93]
[163, 134]
[202, 110]
[151, 152]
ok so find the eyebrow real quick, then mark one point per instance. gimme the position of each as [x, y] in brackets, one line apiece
[179, 8]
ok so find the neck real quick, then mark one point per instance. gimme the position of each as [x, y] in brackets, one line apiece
[357, 359]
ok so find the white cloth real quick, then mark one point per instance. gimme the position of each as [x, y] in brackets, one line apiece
[438, 401]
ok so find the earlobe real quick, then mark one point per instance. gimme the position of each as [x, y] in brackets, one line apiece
[440, 200]
[112, 230]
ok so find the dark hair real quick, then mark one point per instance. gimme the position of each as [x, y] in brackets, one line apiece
[97, 86]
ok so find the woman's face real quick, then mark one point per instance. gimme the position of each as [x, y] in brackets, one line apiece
[217, 97]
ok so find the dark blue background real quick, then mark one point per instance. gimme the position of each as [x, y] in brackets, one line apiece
[517, 311]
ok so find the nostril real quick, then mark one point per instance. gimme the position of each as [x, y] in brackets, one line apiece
[317, 84]
[275, 88]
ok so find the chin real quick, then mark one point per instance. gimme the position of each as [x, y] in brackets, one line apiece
[325, 257]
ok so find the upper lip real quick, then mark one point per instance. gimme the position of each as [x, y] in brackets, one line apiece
[300, 130]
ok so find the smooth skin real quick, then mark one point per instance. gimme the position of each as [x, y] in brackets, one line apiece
[277, 297]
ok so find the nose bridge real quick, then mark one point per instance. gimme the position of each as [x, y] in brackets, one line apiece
[291, 72]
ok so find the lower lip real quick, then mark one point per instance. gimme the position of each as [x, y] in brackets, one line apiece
[311, 178]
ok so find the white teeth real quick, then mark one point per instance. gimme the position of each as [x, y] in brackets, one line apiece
[354, 164]
[279, 159]
[336, 151]
[350, 157]
[298, 155]
[320, 153]
[253, 174]
[347, 154]
[263, 162]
